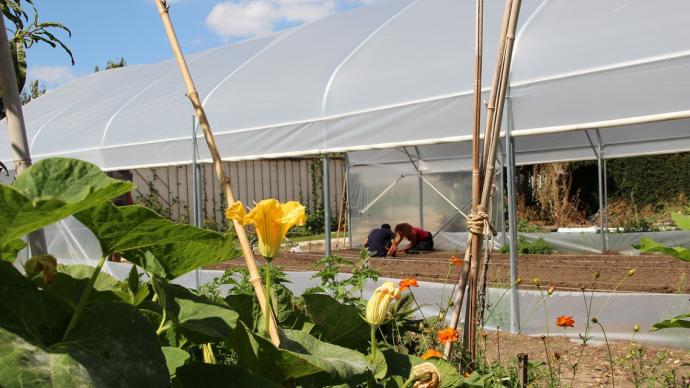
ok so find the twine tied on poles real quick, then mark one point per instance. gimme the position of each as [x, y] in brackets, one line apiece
[478, 223]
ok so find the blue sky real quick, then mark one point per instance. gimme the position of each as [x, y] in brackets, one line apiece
[103, 30]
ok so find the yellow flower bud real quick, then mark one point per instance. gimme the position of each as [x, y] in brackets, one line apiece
[631, 272]
[551, 290]
[43, 263]
[378, 303]
[426, 375]
[536, 281]
[636, 328]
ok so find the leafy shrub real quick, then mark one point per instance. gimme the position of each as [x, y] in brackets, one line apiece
[531, 247]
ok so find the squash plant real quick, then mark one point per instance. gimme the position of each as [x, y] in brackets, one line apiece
[682, 253]
[72, 325]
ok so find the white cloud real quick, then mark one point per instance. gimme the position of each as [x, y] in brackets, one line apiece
[50, 75]
[249, 18]
[258, 17]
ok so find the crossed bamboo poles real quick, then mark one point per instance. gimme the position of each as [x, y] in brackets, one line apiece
[483, 172]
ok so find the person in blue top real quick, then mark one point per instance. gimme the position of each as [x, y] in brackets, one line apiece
[379, 241]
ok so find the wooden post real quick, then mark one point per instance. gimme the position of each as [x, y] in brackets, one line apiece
[193, 96]
[16, 128]
[523, 362]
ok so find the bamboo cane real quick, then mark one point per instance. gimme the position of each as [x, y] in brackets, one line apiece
[490, 168]
[470, 327]
[193, 96]
[491, 103]
[488, 176]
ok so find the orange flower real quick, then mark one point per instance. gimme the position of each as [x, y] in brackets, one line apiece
[565, 321]
[431, 353]
[407, 283]
[455, 261]
[447, 335]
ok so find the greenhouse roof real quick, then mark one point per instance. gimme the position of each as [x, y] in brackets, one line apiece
[397, 73]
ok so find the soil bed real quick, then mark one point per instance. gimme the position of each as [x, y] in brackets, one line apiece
[654, 273]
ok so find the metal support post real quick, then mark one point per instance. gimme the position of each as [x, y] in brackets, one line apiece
[420, 198]
[349, 208]
[602, 200]
[512, 225]
[196, 194]
[326, 206]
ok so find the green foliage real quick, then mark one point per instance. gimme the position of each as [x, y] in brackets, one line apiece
[638, 224]
[349, 329]
[531, 247]
[649, 179]
[342, 290]
[49, 191]
[523, 226]
[112, 64]
[36, 90]
[682, 253]
[27, 31]
[680, 321]
[160, 246]
[82, 327]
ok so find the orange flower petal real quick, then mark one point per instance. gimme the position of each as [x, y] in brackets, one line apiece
[431, 353]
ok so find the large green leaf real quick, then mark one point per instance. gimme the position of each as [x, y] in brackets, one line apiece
[337, 364]
[36, 315]
[680, 321]
[219, 376]
[195, 316]
[113, 342]
[649, 245]
[118, 347]
[70, 282]
[246, 306]
[174, 358]
[9, 251]
[337, 323]
[162, 247]
[25, 365]
[50, 190]
[300, 355]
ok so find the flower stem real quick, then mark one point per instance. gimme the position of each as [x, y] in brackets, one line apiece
[269, 306]
[608, 347]
[83, 300]
[373, 343]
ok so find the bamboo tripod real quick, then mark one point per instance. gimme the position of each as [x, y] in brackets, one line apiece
[224, 180]
[483, 173]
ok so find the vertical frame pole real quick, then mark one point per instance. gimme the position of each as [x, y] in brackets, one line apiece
[512, 225]
[602, 207]
[420, 198]
[196, 208]
[326, 205]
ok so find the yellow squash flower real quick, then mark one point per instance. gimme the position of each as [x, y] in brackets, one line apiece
[271, 219]
[378, 303]
[426, 375]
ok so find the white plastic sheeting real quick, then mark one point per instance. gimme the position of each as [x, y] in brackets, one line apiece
[384, 187]
[618, 312]
[391, 74]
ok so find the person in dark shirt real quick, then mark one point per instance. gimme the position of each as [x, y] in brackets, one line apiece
[379, 241]
[420, 239]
